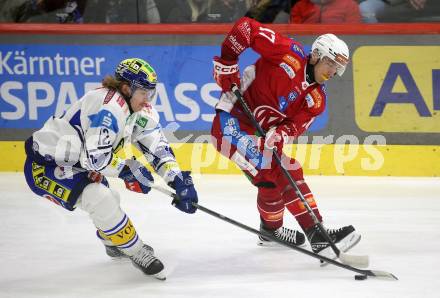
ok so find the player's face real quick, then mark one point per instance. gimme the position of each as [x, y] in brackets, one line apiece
[325, 69]
[140, 97]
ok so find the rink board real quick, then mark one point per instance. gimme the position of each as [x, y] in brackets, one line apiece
[389, 95]
[317, 159]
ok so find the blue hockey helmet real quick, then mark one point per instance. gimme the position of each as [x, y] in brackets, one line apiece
[138, 73]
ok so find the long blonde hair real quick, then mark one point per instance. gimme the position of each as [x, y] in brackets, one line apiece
[110, 82]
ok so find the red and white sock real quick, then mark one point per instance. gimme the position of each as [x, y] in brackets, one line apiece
[297, 208]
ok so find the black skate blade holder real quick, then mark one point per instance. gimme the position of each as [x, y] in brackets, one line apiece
[353, 260]
[361, 272]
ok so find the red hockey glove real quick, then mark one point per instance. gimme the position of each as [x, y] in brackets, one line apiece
[95, 177]
[226, 73]
[137, 178]
[276, 137]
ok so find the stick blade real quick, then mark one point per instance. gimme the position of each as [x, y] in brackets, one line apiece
[383, 274]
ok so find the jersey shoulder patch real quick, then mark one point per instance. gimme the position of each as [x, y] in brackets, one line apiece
[147, 118]
[109, 96]
[298, 49]
[316, 99]
[114, 98]
[292, 61]
[288, 69]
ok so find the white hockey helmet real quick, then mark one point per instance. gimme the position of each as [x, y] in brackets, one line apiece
[329, 45]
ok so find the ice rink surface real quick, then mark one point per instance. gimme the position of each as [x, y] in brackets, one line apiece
[47, 251]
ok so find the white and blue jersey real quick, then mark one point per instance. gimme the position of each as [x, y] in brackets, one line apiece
[87, 137]
[95, 127]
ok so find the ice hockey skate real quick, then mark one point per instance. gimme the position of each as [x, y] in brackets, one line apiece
[345, 238]
[293, 237]
[114, 252]
[110, 249]
[145, 261]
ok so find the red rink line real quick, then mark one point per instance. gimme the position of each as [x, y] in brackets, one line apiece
[209, 29]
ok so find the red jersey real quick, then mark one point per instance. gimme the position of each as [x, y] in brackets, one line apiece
[277, 91]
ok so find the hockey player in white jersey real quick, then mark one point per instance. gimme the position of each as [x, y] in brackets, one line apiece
[70, 156]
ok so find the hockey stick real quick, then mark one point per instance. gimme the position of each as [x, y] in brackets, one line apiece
[359, 261]
[363, 273]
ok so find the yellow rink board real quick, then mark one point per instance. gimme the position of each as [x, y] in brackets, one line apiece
[399, 81]
[353, 160]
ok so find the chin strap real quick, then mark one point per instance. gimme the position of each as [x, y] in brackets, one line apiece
[310, 74]
[127, 100]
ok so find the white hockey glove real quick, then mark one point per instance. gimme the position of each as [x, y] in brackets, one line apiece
[226, 102]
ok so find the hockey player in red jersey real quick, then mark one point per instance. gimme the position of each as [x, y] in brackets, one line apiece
[285, 90]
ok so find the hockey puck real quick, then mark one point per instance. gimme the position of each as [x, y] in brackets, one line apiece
[360, 277]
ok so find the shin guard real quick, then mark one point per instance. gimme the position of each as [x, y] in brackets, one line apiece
[113, 225]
